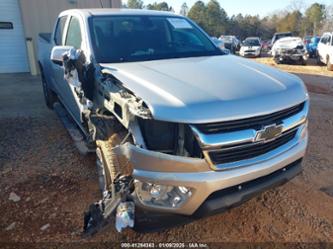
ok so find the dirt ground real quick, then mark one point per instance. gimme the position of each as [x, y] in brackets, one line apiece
[53, 184]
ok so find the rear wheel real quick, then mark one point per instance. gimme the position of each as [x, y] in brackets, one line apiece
[49, 96]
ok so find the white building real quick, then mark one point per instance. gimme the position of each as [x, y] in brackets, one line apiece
[24, 19]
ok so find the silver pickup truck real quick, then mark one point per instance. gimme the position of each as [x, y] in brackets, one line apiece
[181, 129]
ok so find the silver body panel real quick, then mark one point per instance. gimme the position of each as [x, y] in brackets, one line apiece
[209, 89]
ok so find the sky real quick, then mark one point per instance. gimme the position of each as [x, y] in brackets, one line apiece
[252, 7]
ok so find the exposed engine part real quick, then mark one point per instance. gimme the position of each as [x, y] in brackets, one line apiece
[122, 102]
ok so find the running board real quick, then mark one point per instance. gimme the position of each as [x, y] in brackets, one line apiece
[76, 135]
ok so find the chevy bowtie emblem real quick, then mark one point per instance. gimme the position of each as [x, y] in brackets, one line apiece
[268, 132]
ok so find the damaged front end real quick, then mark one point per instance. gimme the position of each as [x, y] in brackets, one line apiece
[139, 143]
[99, 117]
[295, 55]
[128, 141]
[290, 50]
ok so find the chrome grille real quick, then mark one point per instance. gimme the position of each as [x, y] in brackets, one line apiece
[242, 152]
[255, 123]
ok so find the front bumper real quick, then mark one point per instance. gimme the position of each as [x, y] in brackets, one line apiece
[291, 56]
[158, 168]
[250, 53]
[217, 202]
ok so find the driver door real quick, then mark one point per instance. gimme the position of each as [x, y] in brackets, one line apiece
[67, 92]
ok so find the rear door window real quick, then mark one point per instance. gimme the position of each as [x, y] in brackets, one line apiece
[59, 32]
[74, 34]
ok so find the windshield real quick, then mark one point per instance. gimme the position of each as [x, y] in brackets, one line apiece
[140, 38]
[251, 42]
[279, 36]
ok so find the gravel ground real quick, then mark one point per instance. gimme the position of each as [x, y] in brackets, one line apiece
[46, 185]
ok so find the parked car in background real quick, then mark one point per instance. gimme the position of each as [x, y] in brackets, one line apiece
[311, 47]
[325, 50]
[230, 42]
[280, 35]
[289, 50]
[251, 47]
[265, 45]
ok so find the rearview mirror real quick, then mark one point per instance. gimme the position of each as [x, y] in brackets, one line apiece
[58, 52]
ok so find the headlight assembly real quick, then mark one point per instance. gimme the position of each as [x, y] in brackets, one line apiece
[162, 195]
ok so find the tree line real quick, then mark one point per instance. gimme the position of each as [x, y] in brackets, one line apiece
[300, 19]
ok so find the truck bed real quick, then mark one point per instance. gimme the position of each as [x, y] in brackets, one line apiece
[45, 36]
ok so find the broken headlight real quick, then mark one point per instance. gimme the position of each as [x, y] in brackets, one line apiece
[162, 195]
[159, 135]
[170, 138]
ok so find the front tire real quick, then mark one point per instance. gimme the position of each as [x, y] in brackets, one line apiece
[109, 164]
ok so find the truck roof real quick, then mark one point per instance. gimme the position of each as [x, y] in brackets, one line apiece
[109, 11]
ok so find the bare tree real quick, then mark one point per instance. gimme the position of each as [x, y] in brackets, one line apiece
[297, 5]
[328, 22]
[184, 9]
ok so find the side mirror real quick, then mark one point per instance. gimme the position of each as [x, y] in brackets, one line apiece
[58, 52]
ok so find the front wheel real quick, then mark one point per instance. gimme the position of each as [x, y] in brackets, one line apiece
[109, 164]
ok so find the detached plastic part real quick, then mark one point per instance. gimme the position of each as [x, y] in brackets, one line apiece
[115, 208]
[125, 215]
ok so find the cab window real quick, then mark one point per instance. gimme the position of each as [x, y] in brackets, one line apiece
[74, 34]
[59, 31]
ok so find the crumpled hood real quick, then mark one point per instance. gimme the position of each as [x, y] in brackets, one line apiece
[288, 43]
[209, 89]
